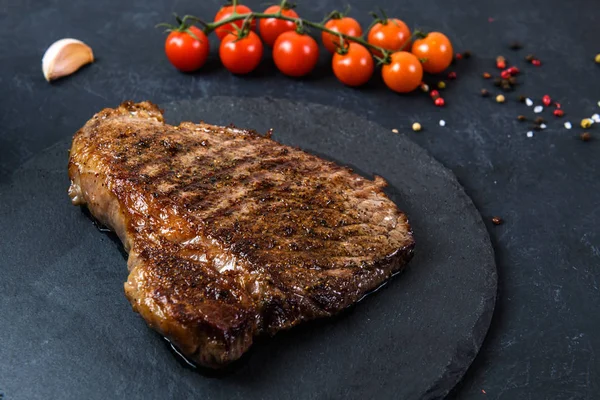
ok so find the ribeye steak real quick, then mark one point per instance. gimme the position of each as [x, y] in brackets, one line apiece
[231, 234]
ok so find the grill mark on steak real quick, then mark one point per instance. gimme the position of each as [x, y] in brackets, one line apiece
[229, 233]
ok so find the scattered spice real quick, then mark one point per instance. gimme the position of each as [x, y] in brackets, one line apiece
[506, 85]
[529, 58]
[440, 102]
[442, 122]
[528, 102]
[558, 113]
[538, 109]
[452, 75]
[539, 120]
[505, 74]
[536, 62]
[530, 134]
[500, 62]
[467, 54]
[483, 391]
[516, 45]
[485, 93]
[596, 118]
[416, 127]
[521, 118]
[434, 94]
[546, 100]
[597, 58]
[458, 56]
[441, 85]
[497, 220]
[543, 126]
[586, 123]
[522, 98]
[514, 70]
[512, 80]
[395, 130]
[498, 81]
[585, 136]
[500, 98]
[486, 75]
[568, 125]
[556, 104]
[424, 87]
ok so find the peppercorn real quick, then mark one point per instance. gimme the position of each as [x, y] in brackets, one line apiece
[505, 74]
[441, 85]
[458, 56]
[536, 62]
[522, 98]
[585, 136]
[530, 58]
[434, 94]
[486, 75]
[597, 58]
[440, 102]
[537, 127]
[484, 93]
[512, 80]
[516, 45]
[546, 100]
[539, 120]
[452, 75]
[498, 81]
[558, 112]
[416, 127]
[497, 220]
[424, 87]
[506, 85]
[467, 54]
[521, 118]
[586, 123]
[514, 70]
[500, 98]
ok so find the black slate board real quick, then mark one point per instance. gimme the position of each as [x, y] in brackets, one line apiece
[68, 332]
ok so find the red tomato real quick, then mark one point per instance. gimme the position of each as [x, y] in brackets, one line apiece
[391, 34]
[241, 55]
[295, 54]
[436, 50]
[271, 28]
[226, 12]
[404, 73]
[184, 51]
[355, 67]
[346, 25]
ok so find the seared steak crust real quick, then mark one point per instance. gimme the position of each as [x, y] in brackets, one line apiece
[230, 233]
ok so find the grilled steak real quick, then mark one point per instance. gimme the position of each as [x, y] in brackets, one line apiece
[231, 234]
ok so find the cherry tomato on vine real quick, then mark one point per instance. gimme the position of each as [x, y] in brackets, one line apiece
[271, 28]
[391, 34]
[436, 50]
[404, 73]
[186, 52]
[225, 12]
[241, 55]
[295, 54]
[346, 25]
[353, 66]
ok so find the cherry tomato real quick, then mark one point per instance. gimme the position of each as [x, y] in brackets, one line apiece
[436, 50]
[295, 54]
[241, 55]
[184, 51]
[226, 12]
[271, 28]
[346, 25]
[355, 67]
[404, 73]
[391, 34]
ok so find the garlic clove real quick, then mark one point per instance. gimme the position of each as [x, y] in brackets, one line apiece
[64, 57]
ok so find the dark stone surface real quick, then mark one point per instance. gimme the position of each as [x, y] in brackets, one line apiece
[543, 339]
[70, 332]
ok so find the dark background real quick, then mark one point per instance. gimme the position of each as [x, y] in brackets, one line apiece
[543, 339]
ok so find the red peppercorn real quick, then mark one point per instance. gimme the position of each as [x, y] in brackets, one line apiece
[505, 74]
[557, 104]
[452, 75]
[458, 56]
[501, 64]
[546, 100]
[434, 94]
[558, 113]
[536, 62]
[514, 70]
[439, 102]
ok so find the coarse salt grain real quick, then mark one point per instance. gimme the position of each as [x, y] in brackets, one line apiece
[596, 118]
[530, 134]
[529, 102]
[568, 125]
[538, 109]
[543, 126]
[395, 130]
[442, 122]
